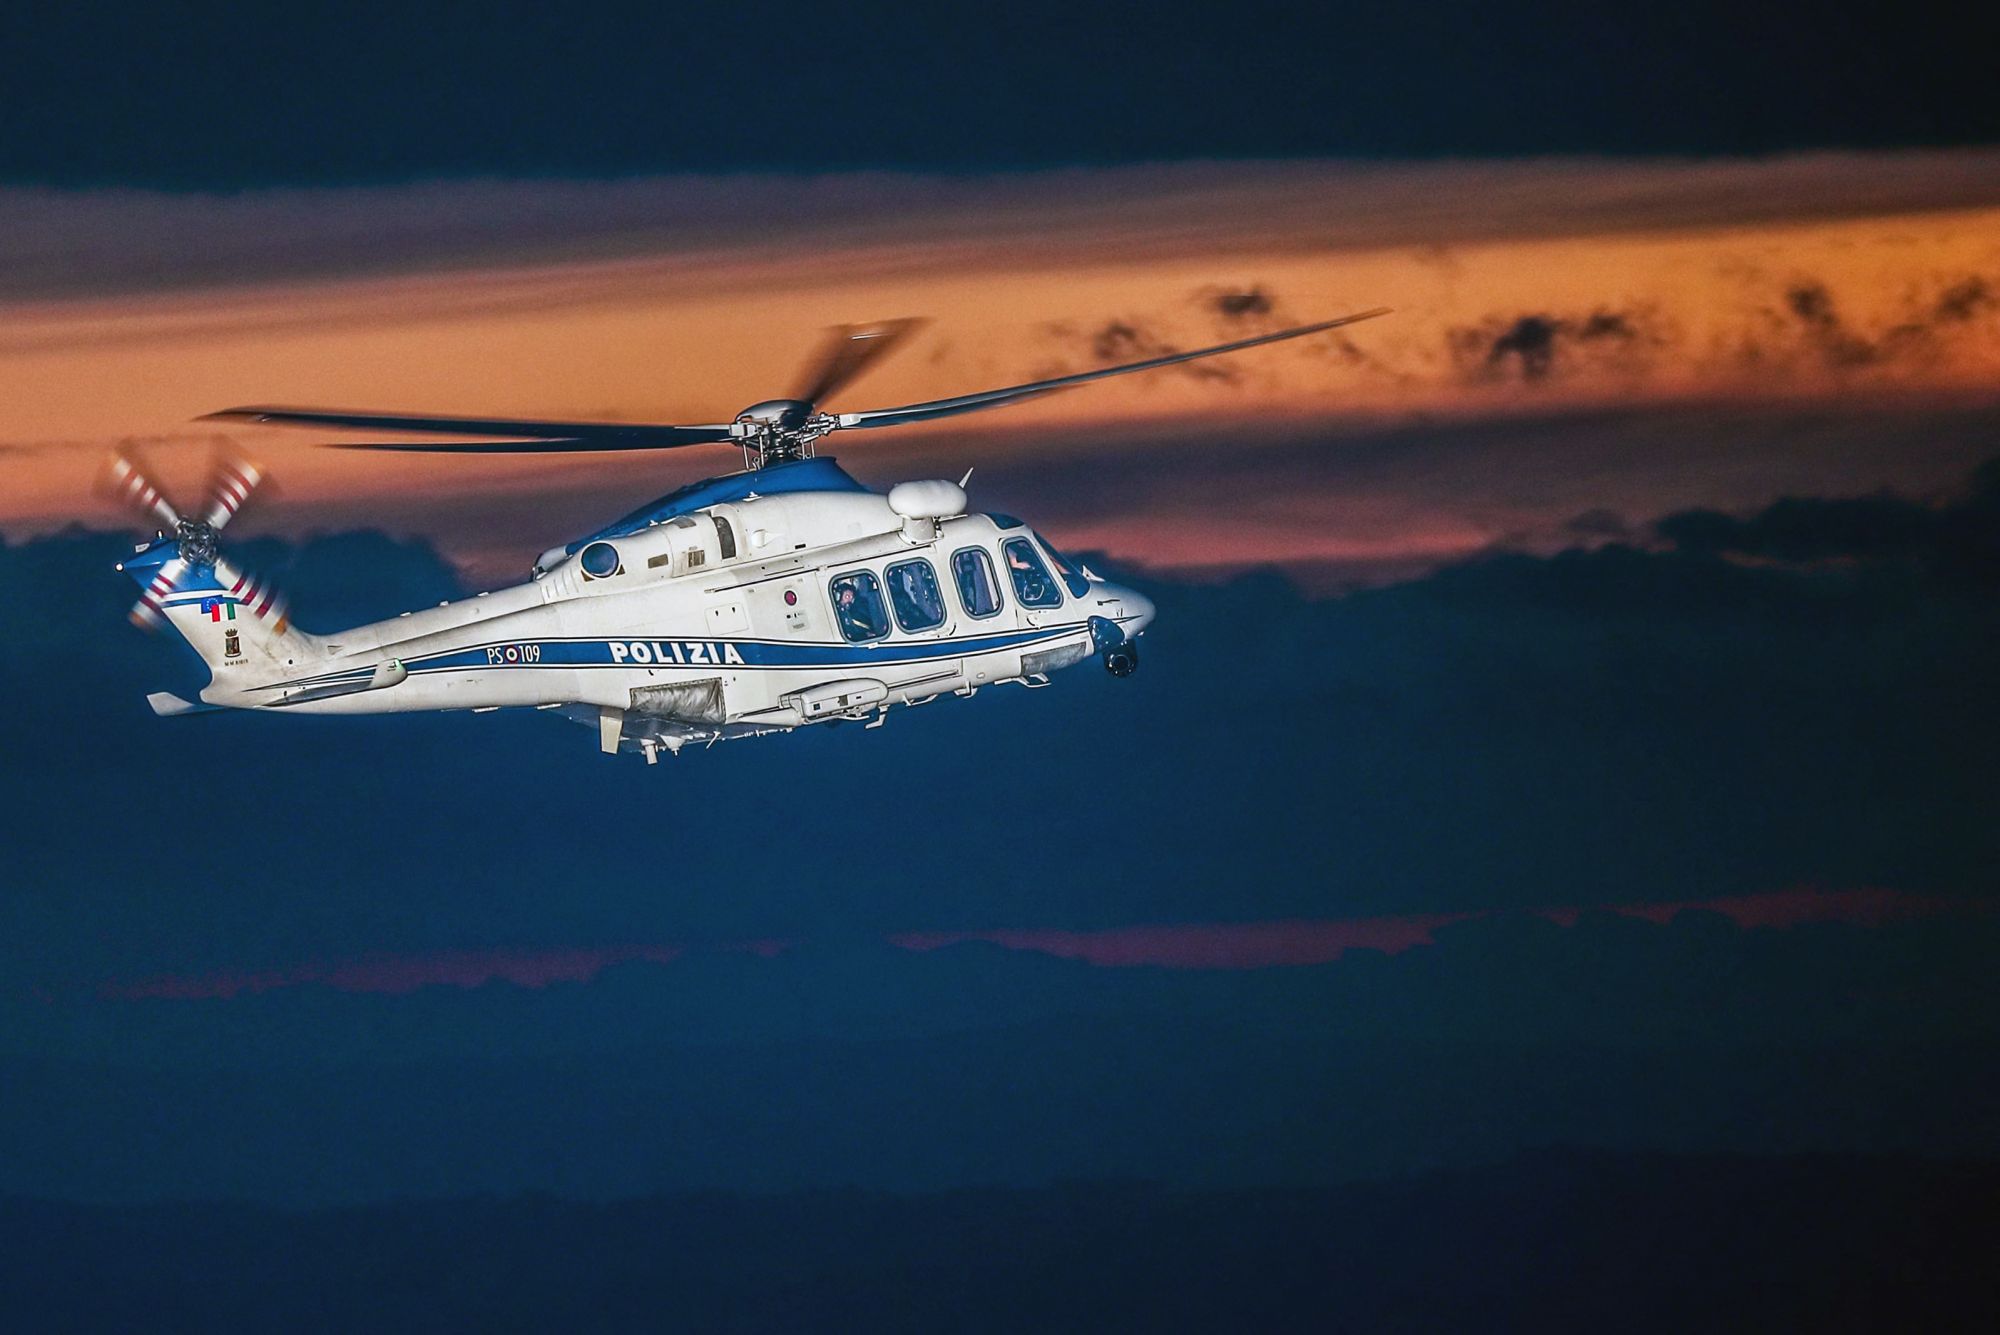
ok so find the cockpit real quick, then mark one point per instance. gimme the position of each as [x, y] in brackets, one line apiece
[909, 595]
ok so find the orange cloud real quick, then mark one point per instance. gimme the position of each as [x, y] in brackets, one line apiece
[1521, 290]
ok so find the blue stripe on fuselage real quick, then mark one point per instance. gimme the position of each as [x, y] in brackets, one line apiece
[756, 655]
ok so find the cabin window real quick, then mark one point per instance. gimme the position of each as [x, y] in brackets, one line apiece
[726, 537]
[915, 596]
[972, 568]
[858, 606]
[1071, 577]
[1032, 584]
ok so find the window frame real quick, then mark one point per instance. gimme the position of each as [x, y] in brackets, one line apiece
[992, 582]
[937, 588]
[1013, 577]
[881, 600]
[1069, 572]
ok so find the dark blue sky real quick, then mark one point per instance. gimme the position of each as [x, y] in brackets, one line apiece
[212, 96]
[1718, 706]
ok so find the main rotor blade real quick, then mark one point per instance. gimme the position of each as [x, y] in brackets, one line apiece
[526, 446]
[993, 398]
[850, 349]
[567, 435]
[125, 481]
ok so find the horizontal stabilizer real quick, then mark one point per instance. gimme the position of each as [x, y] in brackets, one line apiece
[168, 705]
[391, 673]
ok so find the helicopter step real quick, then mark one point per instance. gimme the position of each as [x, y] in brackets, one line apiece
[836, 697]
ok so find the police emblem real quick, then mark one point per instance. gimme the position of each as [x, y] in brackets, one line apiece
[232, 644]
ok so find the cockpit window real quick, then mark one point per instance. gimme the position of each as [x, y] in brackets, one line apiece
[1032, 584]
[977, 593]
[1072, 578]
[913, 592]
[858, 607]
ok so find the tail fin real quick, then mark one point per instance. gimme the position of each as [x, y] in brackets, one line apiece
[237, 624]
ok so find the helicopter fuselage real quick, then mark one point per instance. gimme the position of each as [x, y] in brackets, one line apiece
[767, 611]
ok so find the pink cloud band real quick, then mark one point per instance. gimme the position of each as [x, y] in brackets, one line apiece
[1239, 945]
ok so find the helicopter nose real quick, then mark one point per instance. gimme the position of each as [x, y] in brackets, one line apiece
[1134, 609]
[1139, 608]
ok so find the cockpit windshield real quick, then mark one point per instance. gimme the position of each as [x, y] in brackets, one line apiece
[1032, 585]
[1071, 576]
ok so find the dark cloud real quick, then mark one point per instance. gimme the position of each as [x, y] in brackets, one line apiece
[1534, 346]
[1812, 306]
[99, 241]
[1617, 726]
[1239, 304]
[1808, 319]
[1598, 524]
[1521, 683]
[1956, 542]
[1122, 340]
[1965, 300]
[846, 1063]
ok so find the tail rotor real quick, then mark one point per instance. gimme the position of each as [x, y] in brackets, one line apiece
[232, 481]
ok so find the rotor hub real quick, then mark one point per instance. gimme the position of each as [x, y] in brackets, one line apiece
[780, 430]
[196, 539]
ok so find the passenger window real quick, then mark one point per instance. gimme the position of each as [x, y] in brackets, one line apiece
[913, 592]
[977, 592]
[726, 537]
[857, 606]
[1032, 584]
[1071, 577]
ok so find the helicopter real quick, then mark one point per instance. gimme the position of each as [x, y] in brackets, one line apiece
[752, 603]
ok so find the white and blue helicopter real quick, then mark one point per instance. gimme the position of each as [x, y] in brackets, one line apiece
[765, 600]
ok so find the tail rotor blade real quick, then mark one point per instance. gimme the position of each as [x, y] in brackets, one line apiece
[127, 483]
[233, 479]
[261, 598]
[849, 350]
[149, 613]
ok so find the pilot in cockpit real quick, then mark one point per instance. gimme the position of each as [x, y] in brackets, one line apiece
[1030, 580]
[854, 621]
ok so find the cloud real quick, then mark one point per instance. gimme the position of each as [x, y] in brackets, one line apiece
[851, 1062]
[1532, 347]
[1965, 300]
[1117, 341]
[1937, 319]
[1239, 304]
[1956, 541]
[1612, 724]
[399, 975]
[96, 242]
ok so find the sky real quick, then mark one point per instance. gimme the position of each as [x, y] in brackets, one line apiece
[1568, 728]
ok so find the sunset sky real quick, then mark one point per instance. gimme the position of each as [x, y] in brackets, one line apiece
[1522, 292]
